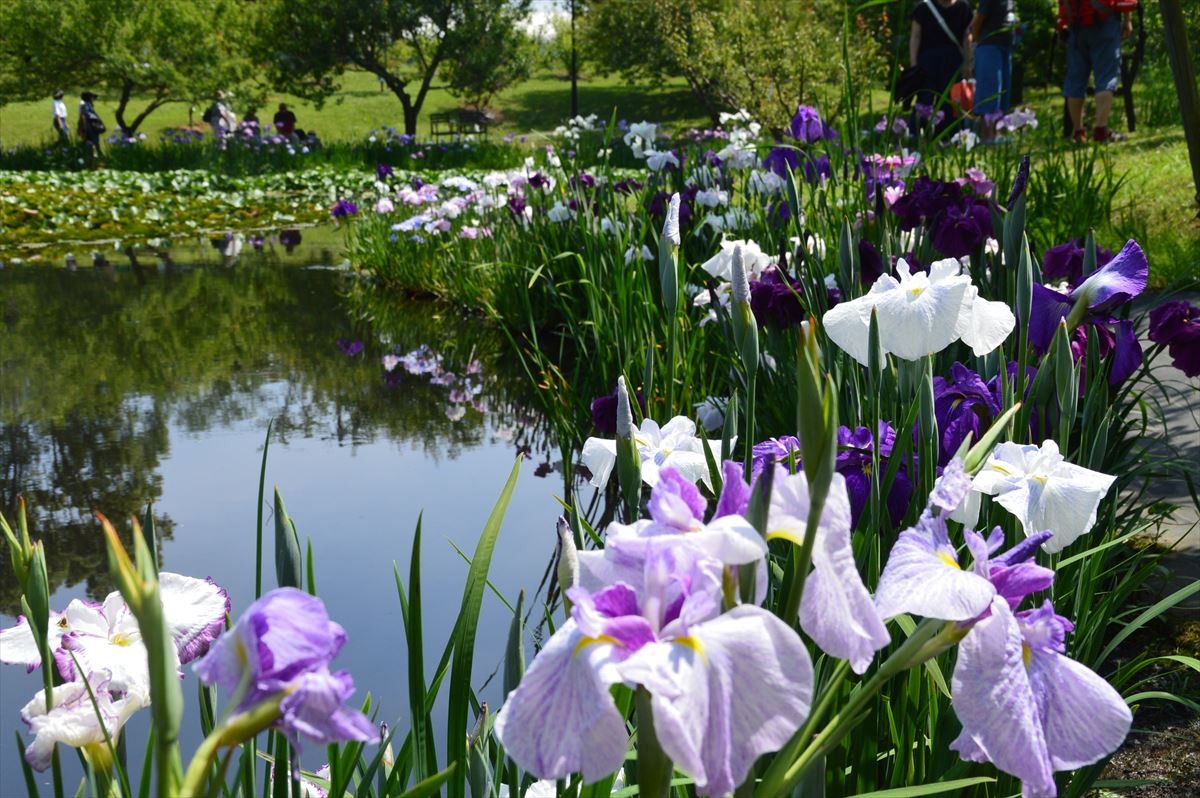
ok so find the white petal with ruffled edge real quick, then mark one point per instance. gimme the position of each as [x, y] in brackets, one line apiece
[73, 719]
[599, 455]
[983, 324]
[195, 611]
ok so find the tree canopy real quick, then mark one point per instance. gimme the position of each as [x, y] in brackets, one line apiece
[163, 50]
[308, 44]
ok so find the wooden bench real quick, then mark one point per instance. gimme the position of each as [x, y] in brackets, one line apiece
[459, 124]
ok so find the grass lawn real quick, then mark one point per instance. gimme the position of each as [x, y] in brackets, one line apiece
[539, 104]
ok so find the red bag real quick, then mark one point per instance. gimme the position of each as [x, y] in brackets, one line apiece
[962, 96]
[1116, 6]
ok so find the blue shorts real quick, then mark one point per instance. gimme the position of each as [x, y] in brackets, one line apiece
[1094, 49]
[993, 78]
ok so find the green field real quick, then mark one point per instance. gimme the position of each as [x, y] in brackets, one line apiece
[539, 104]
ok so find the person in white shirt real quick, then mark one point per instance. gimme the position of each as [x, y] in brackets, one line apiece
[60, 118]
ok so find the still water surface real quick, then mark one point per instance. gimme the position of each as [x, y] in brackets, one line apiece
[155, 383]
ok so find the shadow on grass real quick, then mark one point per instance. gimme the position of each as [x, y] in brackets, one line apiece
[545, 109]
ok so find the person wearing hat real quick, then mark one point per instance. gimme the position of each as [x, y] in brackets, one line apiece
[59, 118]
[90, 124]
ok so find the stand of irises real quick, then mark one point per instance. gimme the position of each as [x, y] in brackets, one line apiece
[716, 632]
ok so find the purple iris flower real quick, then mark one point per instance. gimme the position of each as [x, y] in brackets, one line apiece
[963, 404]
[516, 205]
[776, 301]
[349, 347]
[870, 262]
[582, 180]
[604, 412]
[539, 180]
[1024, 705]
[925, 199]
[854, 463]
[817, 169]
[720, 694]
[780, 159]
[1177, 325]
[1065, 261]
[712, 159]
[383, 171]
[343, 208]
[627, 186]
[283, 644]
[958, 230]
[808, 127]
[1115, 283]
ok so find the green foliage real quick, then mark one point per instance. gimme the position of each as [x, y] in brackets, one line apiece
[501, 55]
[162, 51]
[308, 44]
[766, 56]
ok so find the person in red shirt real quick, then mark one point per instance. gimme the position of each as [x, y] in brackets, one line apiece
[285, 120]
[1093, 30]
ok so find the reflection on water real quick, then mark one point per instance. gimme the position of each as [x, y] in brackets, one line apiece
[134, 384]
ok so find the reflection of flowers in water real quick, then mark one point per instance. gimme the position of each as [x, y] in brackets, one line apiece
[465, 389]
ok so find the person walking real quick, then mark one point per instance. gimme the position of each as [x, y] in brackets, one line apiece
[220, 117]
[938, 44]
[992, 37]
[58, 110]
[1094, 30]
[90, 126]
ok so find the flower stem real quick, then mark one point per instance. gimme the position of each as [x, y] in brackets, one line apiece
[237, 729]
[786, 772]
[653, 766]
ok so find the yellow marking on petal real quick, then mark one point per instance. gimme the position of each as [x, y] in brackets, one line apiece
[867, 468]
[694, 644]
[584, 642]
[121, 639]
[946, 558]
[785, 534]
[916, 291]
[1026, 654]
[1039, 478]
[62, 622]
[997, 467]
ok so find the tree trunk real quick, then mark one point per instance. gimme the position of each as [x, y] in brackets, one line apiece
[1185, 82]
[129, 128]
[122, 104]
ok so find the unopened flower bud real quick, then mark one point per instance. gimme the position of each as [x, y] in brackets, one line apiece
[740, 282]
[568, 557]
[624, 411]
[670, 229]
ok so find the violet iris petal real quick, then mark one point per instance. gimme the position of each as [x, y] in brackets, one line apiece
[808, 127]
[279, 637]
[1118, 281]
[854, 462]
[962, 404]
[1028, 708]
[781, 160]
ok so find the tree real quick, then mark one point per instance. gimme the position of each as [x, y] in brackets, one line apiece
[164, 50]
[762, 55]
[308, 44]
[502, 55]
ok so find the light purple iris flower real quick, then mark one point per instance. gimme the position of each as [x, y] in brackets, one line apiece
[725, 688]
[284, 643]
[1024, 706]
[676, 519]
[923, 575]
[836, 610]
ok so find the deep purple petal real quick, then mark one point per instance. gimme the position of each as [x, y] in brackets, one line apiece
[1049, 308]
[735, 493]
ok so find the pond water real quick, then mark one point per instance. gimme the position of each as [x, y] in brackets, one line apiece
[154, 381]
